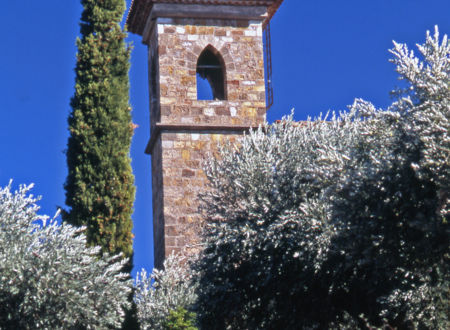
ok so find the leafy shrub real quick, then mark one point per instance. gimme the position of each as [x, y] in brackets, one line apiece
[163, 292]
[337, 223]
[49, 279]
[180, 319]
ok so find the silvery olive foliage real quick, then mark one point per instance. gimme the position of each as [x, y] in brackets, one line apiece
[338, 222]
[163, 292]
[49, 279]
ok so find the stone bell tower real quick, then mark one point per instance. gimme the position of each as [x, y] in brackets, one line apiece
[219, 42]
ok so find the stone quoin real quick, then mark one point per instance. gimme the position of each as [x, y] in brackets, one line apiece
[221, 41]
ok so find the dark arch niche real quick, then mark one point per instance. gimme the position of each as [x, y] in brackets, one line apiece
[211, 68]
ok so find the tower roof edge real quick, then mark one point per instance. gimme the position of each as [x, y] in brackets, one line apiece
[140, 9]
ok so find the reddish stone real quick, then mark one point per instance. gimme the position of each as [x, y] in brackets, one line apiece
[169, 29]
[222, 111]
[220, 33]
[187, 173]
[172, 230]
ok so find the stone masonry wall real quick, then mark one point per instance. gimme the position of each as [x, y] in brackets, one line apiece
[177, 154]
[183, 154]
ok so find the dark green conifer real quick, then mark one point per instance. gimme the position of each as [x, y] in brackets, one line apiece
[100, 183]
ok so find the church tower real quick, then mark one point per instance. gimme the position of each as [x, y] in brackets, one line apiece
[217, 42]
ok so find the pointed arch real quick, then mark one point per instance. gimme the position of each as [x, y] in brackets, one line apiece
[211, 68]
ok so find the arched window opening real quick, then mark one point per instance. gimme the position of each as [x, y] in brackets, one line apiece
[210, 71]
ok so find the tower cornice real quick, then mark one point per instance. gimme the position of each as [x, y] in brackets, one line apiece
[140, 9]
[160, 127]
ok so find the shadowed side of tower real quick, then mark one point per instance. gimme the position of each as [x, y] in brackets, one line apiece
[216, 40]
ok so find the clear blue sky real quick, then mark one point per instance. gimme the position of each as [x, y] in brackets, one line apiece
[325, 53]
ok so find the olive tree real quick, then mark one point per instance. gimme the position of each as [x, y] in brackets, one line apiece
[49, 279]
[337, 222]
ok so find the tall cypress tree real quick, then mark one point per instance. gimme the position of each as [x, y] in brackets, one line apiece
[100, 183]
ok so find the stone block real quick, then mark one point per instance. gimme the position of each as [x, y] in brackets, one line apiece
[187, 173]
[185, 155]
